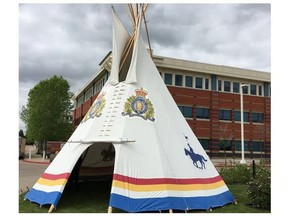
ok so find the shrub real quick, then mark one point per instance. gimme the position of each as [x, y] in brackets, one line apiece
[259, 189]
[240, 174]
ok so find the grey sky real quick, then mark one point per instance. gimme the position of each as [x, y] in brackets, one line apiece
[71, 39]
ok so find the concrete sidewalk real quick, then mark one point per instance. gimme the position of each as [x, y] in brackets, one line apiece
[37, 158]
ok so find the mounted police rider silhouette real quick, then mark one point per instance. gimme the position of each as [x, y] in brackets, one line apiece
[195, 157]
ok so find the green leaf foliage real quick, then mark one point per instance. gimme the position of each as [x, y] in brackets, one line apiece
[150, 112]
[47, 111]
[259, 189]
[240, 174]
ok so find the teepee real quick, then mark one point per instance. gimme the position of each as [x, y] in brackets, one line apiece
[159, 163]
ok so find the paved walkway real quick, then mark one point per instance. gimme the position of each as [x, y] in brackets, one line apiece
[37, 158]
[29, 173]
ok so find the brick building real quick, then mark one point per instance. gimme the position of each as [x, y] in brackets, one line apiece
[209, 98]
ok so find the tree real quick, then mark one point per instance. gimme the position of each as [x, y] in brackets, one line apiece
[225, 138]
[260, 131]
[47, 112]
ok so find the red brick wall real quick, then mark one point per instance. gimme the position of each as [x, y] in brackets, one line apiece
[215, 100]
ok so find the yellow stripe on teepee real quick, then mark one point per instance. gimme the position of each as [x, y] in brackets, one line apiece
[161, 187]
[47, 182]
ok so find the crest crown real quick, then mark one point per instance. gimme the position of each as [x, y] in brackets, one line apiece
[141, 93]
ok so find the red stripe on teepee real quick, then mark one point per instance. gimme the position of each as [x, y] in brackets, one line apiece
[55, 176]
[142, 181]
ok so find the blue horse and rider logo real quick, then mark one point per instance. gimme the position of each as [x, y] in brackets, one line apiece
[195, 157]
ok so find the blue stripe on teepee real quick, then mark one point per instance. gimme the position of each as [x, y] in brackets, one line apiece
[177, 203]
[43, 198]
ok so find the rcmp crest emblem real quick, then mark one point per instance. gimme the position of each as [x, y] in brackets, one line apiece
[139, 105]
[96, 108]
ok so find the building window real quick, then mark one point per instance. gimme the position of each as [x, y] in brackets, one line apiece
[257, 146]
[253, 89]
[236, 87]
[245, 89]
[270, 90]
[238, 145]
[80, 100]
[168, 78]
[94, 88]
[213, 82]
[237, 116]
[257, 117]
[205, 143]
[99, 85]
[178, 80]
[225, 145]
[186, 111]
[266, 89]
[188, 81]
[202, 113]
[260, 90]
[219, 85]
[199, 82]
[227, 86]
[206, 83]
[89, 93]
[225, 115]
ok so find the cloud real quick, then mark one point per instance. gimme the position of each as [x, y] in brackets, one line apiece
[71, 39]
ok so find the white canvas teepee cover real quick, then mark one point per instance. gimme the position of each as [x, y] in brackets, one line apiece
[159, 163]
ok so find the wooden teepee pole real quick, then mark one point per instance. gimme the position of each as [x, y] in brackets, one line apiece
[51, 208]
[110, 209]
[147, 33]
[130, 6]
[126, 50]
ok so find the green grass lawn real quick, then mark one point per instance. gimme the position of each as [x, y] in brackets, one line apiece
[93, 197]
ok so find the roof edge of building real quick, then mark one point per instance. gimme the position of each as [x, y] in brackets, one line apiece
[188, 65]
[221, 70]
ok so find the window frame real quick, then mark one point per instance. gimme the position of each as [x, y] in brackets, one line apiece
[224, 86]
[182, 109]
[254, 89]
[238, 147]
[244, 113]
[246, 88]
[258, 118]
[207, 84]
[205, 143]
[168, 74]
[223, 113]
[260, 90]
[179, 75]
[80, 100]
[205, 113]
[235, 84]
[89, 93]
[219, 87]
[196, 83]
[257, 146]
[186, 76]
